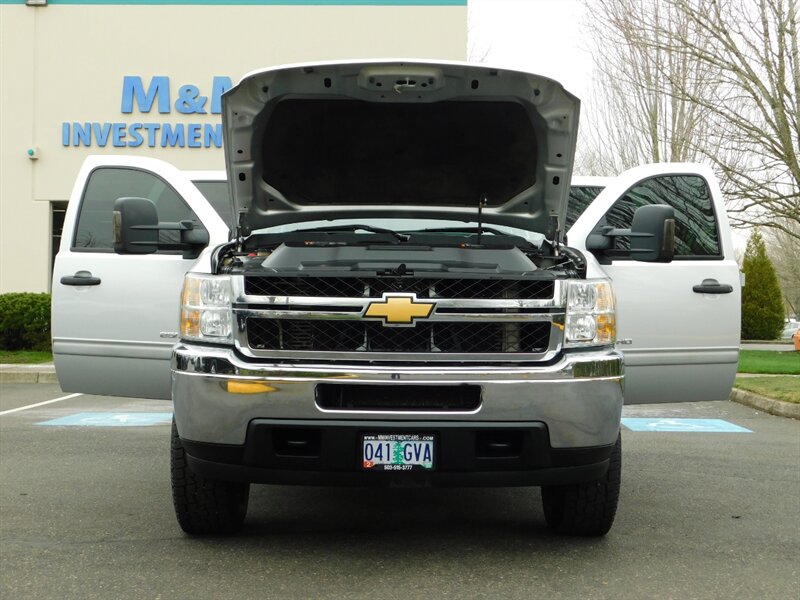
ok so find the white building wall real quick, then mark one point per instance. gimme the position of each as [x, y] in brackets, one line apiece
[65, 63]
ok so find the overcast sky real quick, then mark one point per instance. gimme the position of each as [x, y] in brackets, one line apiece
[539, 36]
[547, 37]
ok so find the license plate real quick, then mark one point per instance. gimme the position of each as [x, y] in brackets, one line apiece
[397, 452]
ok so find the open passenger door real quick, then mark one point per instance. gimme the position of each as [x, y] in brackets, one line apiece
[678, 323]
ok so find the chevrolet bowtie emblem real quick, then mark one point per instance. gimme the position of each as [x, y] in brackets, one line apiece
[399, 309]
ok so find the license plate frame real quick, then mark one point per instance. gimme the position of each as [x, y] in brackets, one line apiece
[390, 452]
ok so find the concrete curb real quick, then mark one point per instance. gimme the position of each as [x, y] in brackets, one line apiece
[41, 373]
[779, 408]
[29, 377]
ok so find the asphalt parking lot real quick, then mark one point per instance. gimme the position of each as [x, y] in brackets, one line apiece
[85, 512]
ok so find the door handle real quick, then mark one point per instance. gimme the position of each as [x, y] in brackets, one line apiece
[80, 278]
[712, 286]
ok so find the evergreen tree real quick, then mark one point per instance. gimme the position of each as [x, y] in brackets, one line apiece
[762, 306]
[397, 454]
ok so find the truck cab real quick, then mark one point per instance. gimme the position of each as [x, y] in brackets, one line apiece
[407, 287]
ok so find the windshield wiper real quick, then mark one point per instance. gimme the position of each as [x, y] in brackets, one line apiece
[478, 239]
[483, 229]
[399, 236]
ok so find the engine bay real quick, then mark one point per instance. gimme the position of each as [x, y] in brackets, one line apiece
[382, 252]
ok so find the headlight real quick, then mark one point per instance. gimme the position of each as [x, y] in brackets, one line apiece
[590, 318]
[206, 308]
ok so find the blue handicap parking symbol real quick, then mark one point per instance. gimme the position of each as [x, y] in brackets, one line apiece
[683, 425]
[101, 419]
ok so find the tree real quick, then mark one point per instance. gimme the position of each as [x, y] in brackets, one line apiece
[762, 308]
[729, 73]
[785, 253]
[637, 115]
[476, 53]
[397, 454]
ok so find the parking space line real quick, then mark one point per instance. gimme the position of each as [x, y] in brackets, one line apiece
[13, 410]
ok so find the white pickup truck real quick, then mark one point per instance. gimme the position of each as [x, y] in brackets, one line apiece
[396, 281]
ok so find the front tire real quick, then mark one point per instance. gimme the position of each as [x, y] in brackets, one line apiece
[204, 505]
[585, 508]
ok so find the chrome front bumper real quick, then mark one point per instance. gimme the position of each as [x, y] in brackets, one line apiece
[216, 394]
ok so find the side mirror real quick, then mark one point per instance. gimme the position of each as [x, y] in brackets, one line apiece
[653, 233]
[136, 227]
[135, 223]
[193, 238]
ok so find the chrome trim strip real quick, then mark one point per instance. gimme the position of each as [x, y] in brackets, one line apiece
[289, 380]
[223, 363]
[240, 298]
[405, 357]
[244, 301]
[358, 316]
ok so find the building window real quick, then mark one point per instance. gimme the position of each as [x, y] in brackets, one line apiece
[57, 212]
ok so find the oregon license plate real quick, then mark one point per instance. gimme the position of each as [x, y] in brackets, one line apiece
[397, 452]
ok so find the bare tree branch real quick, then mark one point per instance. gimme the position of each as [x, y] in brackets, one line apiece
[710, 80]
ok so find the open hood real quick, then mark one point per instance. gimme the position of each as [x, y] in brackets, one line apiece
[399, 139]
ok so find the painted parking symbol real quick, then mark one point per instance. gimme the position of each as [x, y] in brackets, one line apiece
[101, 419]
[683, 425]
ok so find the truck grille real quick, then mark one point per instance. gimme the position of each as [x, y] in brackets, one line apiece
[365, 336]
[375, 287]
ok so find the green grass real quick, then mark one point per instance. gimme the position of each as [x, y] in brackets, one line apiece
[781, 388]
[766, 361]
[25, 357]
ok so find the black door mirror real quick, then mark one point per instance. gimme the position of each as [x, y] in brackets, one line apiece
[652, 236]
[653, 233]
[135, 222]
[136, 228]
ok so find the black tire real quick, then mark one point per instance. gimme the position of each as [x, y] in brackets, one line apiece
[585, 508]
[204, 505]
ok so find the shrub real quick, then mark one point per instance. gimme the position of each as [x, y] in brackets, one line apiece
[762, 307]
[25, 321]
